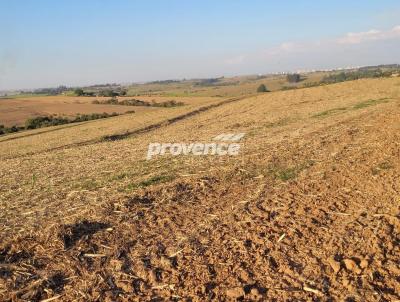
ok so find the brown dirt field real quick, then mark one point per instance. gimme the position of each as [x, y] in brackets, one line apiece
[17, 111]
[309, 210]
[50, 138]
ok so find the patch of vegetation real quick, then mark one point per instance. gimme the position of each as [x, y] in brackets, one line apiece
[165, 82]
[288, 173]
[119, 176]
[289, 88]
[13, 129]
[105, 92]
[89, 184]
[312, 84]
[382, 166]
[281, 122]
[47, 121]
[135, 102]
[111, 93]
[158, 179]
[362, 73]
[329, 112]
[34, 179]
[262, 88]
[293, 78]
[50, 91]
[155, 180]
[81, 92]
[369, 103]
[208, 82]
[360, 105]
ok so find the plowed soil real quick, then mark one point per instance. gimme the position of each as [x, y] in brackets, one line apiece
[16, 111]
[309, 210]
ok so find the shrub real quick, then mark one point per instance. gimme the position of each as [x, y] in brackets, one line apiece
[293, 78]
[207, 82]
[312, 84]
[4, 130]
[112, 101]
[288, 87]
[135, 102]
[262, 88]
[45, 121]
[167, 104]
[13, 129]
[355, 75]
[109, 93]
[79, 92]
[36, 122]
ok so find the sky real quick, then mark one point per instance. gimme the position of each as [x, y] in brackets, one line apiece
[47, 43]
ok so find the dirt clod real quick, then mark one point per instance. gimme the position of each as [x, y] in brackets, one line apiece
[352, 266]
[335, 265]
[235, 292]
[364, 263]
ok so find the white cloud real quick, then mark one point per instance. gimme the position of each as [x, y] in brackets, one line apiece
[323, 52]
[287, 46]
[371, 35]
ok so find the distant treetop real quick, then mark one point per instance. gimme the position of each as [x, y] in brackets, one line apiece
[262, 88]
[293, 78]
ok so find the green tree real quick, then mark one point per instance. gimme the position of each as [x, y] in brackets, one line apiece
[108, 92]
[262, 88]
[293, 78]
[79, 92]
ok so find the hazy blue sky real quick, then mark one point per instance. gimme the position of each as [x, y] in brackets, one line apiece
[71, 42]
